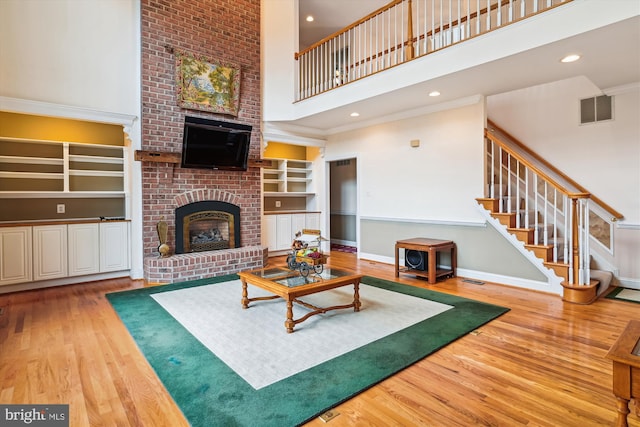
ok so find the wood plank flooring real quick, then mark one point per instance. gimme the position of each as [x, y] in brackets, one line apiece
[541, 364]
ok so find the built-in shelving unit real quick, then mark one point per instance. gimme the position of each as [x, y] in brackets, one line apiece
[287, 178]
[44, 168]
[289, 202]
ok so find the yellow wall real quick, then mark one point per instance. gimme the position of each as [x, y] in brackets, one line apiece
[278, 150]
[50, 128]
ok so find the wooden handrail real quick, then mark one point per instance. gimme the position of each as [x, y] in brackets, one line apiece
[496, 134]
[496, 139]
[347, 28]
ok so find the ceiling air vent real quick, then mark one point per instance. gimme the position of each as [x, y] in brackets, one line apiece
[596, 109]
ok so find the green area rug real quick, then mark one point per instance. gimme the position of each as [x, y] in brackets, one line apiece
[209, 393]
[624, 294]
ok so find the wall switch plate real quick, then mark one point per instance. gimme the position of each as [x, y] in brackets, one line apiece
[61, 208]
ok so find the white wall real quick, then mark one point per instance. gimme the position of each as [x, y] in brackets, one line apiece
[279, 28]
[439, 180]
[70, 52]
[603, 157]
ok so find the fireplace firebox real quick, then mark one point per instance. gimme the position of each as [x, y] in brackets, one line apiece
[207, 226]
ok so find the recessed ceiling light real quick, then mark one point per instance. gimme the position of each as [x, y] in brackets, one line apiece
[310, 18]
[354, 114]
[434, 93]
[570, 58]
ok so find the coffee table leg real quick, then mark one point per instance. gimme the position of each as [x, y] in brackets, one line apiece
[245, 295]
[289, 324]
[356, 296]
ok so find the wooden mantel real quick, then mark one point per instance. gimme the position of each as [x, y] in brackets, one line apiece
[175, 158]
[157, 156]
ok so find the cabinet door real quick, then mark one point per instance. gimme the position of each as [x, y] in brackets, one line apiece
[312, 221]
[269, 232]
[15, 255]
[114, 246]
[49, 252]
[84, 249]
[284, 237]
[298, 223]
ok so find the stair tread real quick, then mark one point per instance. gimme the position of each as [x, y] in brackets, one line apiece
[539, 245]
[559, 264]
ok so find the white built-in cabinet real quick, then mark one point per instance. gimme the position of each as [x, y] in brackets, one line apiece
[84, 249]
[284, 232]
[269, 232]
[114, 246]
[49, 252]
[45, 252]
[279, 229]
[312, 221]
[15, 255]
[287, 178]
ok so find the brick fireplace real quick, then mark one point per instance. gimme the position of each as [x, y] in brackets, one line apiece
[207, 263]
[227, 31]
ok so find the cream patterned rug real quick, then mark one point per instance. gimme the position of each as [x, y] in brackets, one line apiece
[213, 314]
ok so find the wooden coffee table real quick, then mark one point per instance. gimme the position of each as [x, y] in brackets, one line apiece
[291, 285]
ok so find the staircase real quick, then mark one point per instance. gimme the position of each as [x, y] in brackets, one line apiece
[546, 211]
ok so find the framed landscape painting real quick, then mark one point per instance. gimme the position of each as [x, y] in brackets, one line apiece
[207, 85]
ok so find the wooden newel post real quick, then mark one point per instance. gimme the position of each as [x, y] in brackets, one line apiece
[575, 241]
[409, 50]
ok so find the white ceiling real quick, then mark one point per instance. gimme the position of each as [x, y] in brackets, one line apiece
[331, 16]
[611, 58]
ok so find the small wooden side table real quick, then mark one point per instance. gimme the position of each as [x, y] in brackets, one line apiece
[625, 354]
[431, 247]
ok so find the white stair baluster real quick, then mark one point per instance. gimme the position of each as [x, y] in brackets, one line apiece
[526, 198]
[545, 214]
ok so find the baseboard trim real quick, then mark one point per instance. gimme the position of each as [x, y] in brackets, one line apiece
[627, 282]
[28, 286]
[517, 282]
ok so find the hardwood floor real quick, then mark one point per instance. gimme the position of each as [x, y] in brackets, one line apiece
[541, 364]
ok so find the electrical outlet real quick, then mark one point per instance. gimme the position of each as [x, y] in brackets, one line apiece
[278, 204]
[61, 208]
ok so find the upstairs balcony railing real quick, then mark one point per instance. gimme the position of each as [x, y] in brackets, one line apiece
[402, 31]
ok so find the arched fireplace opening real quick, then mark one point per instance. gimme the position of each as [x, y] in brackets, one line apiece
[207, 226]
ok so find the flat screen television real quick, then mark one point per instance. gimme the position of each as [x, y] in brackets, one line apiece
[211, 144]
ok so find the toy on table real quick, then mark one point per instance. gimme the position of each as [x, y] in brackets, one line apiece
[306, 252]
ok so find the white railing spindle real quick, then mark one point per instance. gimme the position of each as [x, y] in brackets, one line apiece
[567, 228]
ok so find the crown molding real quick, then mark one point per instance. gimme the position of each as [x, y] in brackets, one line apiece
[28, 106]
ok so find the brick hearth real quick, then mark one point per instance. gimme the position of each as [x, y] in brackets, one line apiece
[200, 265]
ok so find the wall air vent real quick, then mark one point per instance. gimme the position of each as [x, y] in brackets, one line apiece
[596, 109]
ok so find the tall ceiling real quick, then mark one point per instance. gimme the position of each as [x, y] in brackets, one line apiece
[611, 58]
[331, 16]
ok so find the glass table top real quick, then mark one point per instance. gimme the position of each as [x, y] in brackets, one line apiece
[291, 278]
